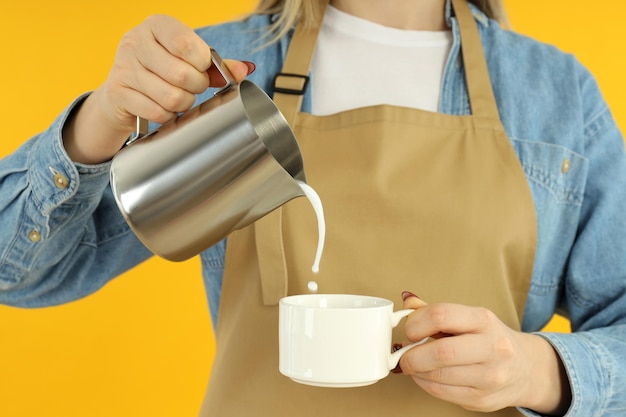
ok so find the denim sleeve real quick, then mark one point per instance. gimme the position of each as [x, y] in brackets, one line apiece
[62, 234]
[594, 283]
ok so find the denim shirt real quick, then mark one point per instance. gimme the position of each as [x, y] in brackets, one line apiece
[64, 238]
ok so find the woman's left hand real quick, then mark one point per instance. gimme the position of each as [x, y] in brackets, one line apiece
[479, 363]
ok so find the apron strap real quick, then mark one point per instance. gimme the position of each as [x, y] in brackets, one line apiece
[479, 89]
[268, 236]
[289, 87]
[290, 84]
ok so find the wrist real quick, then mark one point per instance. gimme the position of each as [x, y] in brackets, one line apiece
[88, 138]
[547, 391]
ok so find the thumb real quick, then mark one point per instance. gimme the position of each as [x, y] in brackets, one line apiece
[411, 300]
[238, 69]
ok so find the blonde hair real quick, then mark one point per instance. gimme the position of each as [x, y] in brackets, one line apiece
[493, 9]
[291, 11]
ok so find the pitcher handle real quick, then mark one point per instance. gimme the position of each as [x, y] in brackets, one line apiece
[142, 124]
[216, 59]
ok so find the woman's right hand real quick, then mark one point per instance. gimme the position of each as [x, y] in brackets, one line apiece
[159, 68]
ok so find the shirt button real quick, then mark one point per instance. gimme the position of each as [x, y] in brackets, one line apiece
[61, 181]
[34, 236]
[565, 166]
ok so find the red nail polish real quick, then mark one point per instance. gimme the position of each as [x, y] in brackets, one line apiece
[251, 66]
[397, 370]
[407, 294]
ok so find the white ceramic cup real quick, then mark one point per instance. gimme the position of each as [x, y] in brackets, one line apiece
[338, 340]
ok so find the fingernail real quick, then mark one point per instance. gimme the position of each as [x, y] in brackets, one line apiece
[251, 66]
[407, 294]
[397, 370]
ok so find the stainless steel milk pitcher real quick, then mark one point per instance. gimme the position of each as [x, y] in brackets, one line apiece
[218, 167]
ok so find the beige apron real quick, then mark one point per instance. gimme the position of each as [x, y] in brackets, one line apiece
[418, 201]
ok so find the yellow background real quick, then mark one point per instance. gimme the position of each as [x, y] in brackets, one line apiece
[143, 345]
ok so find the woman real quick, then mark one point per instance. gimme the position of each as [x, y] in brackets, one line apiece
[470, 192]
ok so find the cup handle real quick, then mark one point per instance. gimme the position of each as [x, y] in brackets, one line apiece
[394, 357]
[216, 59]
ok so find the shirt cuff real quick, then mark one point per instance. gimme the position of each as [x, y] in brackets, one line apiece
[584, 360]
[54, 177]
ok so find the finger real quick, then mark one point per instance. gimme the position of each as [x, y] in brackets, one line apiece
[238, 69]
[464, 350]
[411, 300]
[456, 376]
[251, 67]
[138, 104]
[172, 69]
[451, 319]
[183, 43]
[170, 98]
[180, 41]
[467, 397]
[442, 390]
[479, 377]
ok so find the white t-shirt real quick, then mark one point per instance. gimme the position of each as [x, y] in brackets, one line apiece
[358, 63]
